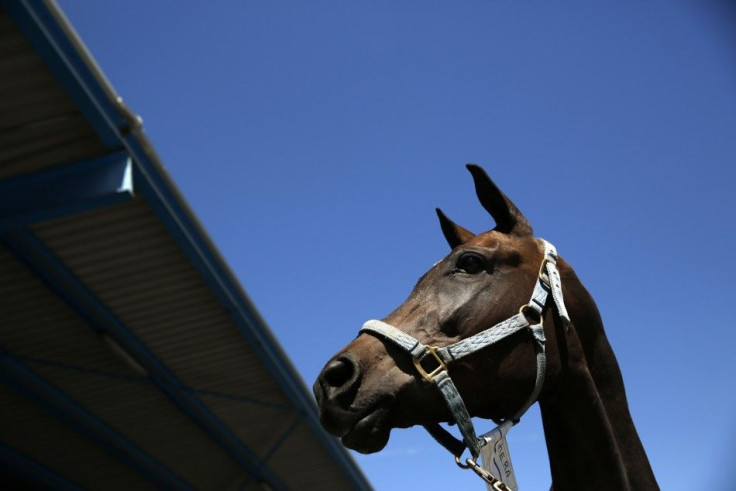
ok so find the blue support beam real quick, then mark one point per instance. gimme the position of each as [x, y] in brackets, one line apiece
[65, 189]
[42, 262]
[35, 388]
[31, 474]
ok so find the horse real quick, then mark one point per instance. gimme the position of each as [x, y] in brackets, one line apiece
[376, 383]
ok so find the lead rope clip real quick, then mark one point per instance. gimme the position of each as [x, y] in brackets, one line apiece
[493, 482]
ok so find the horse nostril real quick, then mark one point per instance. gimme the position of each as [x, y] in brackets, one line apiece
[340, 379]
[339, 371]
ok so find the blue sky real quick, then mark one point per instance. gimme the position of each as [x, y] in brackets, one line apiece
[314, 139]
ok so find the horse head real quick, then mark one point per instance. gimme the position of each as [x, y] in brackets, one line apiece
[370, 386]
[380, 380]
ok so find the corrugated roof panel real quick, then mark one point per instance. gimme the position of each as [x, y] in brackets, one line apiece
[182, 322]
[32, 431]
[128, 406]
[44, 333]
[39, 125]
[300, 473]
[248, 420]
[32, 97]
[36, 324]
[56, 343]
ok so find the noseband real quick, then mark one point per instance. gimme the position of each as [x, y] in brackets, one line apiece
[531, 317]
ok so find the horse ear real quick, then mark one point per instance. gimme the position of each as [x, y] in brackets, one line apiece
[509, 219]
[454, 233]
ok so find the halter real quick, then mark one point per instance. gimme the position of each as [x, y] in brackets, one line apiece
[530, 316]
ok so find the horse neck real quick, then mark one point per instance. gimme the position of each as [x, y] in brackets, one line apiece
[591, 438]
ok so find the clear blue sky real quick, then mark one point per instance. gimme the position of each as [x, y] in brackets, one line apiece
[314, 139]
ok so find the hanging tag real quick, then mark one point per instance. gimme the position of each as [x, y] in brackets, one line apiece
[496, 457]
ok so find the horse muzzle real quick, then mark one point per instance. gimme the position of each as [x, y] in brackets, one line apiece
[362, 426]
[335, 390]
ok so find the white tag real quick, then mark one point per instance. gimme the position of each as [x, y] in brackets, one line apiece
[496, 457]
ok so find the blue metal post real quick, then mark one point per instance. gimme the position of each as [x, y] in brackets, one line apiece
[65, 189]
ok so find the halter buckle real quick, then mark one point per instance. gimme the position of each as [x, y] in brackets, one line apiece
[532, 316]
[441, 367]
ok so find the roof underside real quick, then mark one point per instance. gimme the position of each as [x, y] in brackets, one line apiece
[129, 356]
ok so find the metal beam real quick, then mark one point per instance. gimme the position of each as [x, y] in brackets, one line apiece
[35, 388]
[64, 190]
[42, 262]
[31, 473]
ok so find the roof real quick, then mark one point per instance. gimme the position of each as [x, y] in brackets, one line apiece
[131, 357]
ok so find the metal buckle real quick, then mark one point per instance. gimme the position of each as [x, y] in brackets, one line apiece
[431, 350]
[535, 318]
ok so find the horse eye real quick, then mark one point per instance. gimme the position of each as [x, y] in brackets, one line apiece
[470, 263]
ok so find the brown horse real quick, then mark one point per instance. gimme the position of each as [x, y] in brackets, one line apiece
[372, 386]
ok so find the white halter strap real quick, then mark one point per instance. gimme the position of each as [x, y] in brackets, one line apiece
[548, 281]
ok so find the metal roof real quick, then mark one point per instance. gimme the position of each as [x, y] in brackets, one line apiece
[130, 357]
